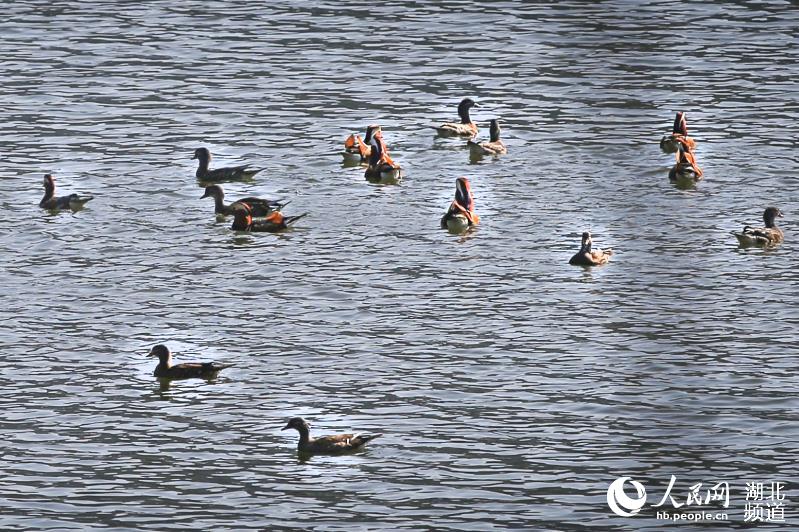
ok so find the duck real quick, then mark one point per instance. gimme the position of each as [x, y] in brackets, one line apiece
[274, 222]
[466, 128]
[166, 370]
[770, 235]
[493, 147]
[685, 169]
[679, 135]
[357, 150]
[50, 201]
[588, 257]
[381, 166]
[336, 444]
[461, 216]
[259, 206]
[232, 173]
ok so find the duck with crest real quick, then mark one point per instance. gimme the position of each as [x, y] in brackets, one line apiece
[679, 135]
[771, 235]
[243, 219]
[231, 173]
[685, 170]
[464, 128]
[166, 370]
[461, 216]
[357, 150]
[259, 206]
[337, 444]
[381, 166]
[588, 256]
[52, 202]
[495, 146]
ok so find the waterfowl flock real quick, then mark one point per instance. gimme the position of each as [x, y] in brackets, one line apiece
[252, 214]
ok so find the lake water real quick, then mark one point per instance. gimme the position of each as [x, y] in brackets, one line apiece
[511, 388]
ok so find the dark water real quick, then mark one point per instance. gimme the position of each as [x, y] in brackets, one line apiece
[511, 388]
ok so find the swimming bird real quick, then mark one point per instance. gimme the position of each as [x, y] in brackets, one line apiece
[337, 444]
[232, 173]
[381, 165]
[770, 235]
[50, 201]
[259, 206]
[466, 128]
[493, 147]
[461, 216]
[679, 135]
[243, 219]
[685, 169]
[187, 370]
[590, 257]
[357, 150]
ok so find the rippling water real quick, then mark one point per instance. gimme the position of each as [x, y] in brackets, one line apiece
[511, 388]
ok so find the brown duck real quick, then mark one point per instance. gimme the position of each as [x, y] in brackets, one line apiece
[771, 235]
[243, 219]
[464, 128]
[679, 135]
[337, 444]
[231, 173]
[187, 370]
[260, 206]
[590, 257]
[50, 201]
[495, 146]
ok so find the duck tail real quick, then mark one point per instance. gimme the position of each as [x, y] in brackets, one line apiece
[291, 219]
[365, 438]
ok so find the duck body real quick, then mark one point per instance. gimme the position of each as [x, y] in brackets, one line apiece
[382, 167]
[495, 146]
[259, 206]
[460, 215]
[52, 202]
[464, 128]
[357, 150]
[685, 169]
[232, 173]
[335, 444]
[588, 256]
[771, 235]
[679, 135]
[275, 222]
[166, 370]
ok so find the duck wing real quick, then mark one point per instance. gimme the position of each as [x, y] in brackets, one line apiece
[262, 206]
[230, 173]
[194, 369]
[340, 443]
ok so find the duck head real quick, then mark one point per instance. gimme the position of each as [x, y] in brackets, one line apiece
[298, 424]
[242, 216]
[495, 130]
[586, 243]
[213, 191]
[202, 154]
[49, 185]
[370, 131]
[680, 124]
[769, 214]
[162, 353]
[463, 193]
[463, 109]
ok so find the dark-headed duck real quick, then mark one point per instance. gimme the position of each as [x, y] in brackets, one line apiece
[590, 257]
[187, 370]
[771, 235]
[232, 173]
[493, 147]
[50, 201]
[260, 206]
[337, 444]
[464, 128]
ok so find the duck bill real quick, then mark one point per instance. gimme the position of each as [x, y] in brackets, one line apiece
[150, 355]
[205, 194]
[286, 427]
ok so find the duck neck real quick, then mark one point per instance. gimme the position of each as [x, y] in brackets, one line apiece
[305, 437]
[49, 191]
[202, 169]
[494, 132]
[769, 219]
[219, 202]
[463, 112]
[165, 362]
